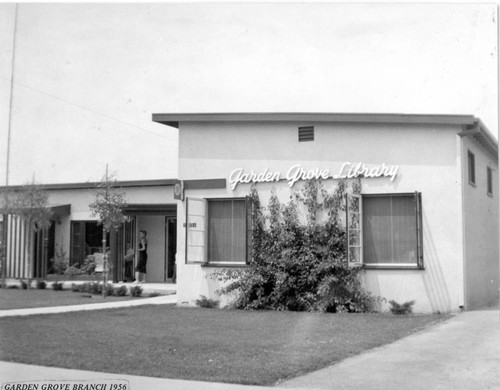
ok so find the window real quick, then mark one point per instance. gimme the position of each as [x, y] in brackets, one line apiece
[385, 230]
[227, 231]
[218, 231]
[489, 180]
[472, 167]
[86, 239]
[306, 134]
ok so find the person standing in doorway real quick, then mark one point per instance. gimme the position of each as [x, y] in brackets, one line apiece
[140, 270]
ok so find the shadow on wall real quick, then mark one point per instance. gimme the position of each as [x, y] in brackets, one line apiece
[433, 278]
[370, 282]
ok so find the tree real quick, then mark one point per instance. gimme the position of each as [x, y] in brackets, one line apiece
[29, 203]
[108, 207]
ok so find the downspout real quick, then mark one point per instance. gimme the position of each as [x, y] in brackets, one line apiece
[469, 130]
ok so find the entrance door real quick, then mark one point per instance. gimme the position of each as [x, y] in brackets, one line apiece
[171, 247]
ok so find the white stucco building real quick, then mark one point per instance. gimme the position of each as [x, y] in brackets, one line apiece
[428, 203]
[429, 186]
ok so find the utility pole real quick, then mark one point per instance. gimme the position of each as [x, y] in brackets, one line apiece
[7, 163]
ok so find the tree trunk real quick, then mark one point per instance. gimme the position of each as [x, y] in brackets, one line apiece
[105, 263]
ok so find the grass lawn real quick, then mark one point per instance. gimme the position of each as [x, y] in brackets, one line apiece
[22, 299]
[261, 347]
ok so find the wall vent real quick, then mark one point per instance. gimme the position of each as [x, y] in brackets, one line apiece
[306, 134]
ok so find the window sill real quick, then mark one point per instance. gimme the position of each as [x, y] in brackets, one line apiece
[224, 265]
[393, 267]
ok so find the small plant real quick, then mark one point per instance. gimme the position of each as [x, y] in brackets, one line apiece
[121, 291]
[135, 291]
[24, 285]
[41, 284]
[13, 286]
[405, 308]
[76, 287]
[207, 302]
[57, 286]
[89, 265]
[108, 289]
[95, 288]
[73, 271]
[60, 261]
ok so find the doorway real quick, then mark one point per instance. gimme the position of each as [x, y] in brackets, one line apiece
[170, 248]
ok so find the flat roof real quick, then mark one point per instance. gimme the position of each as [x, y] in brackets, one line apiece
[470, 122]
[173, 120]
[93, 185]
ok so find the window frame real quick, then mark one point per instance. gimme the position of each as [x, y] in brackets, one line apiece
[489, 181]
[419, 263]
[208, 262]
[471, 168]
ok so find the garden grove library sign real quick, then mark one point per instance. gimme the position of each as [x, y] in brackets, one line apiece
[298, 172]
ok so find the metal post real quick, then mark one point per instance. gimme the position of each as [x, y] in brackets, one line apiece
[5, 217]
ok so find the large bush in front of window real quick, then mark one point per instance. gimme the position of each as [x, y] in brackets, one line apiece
[298, 256]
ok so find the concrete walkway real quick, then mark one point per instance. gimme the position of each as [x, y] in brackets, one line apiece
[160, 300]
[461, 353]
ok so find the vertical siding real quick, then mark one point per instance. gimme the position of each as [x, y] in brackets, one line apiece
[17, 248]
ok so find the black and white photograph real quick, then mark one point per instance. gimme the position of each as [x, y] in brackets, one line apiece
[249, 196]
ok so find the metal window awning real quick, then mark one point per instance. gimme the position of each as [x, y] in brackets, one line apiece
[60, 210]
[151, 209]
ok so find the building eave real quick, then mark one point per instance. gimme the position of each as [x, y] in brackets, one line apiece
[173, 120]
[93, 185]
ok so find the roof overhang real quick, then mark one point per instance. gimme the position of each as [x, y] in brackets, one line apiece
[151, 209]
[174, 119]
[480, 133]
[60, 210]
[93, 185]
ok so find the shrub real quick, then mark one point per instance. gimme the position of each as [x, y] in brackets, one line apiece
[24, 285]
[73, 271]
[60, 261]
[135, 291]
[57, 286]
[154, 294]
[207, 302]
[41, 284]
[95, 288]
[13, 286]
[89, 265]
[299, 265]
[108, 289]
[121, 291]
[399, 309]
[76, 287]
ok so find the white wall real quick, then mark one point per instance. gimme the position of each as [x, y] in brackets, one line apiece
[81, 198]
[480, 229]
[427, 159]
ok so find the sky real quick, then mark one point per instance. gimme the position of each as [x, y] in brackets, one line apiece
[88, 77]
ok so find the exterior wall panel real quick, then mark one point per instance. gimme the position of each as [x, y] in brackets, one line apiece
[481, 244]
[427, 160]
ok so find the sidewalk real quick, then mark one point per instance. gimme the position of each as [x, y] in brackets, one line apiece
[160, 300]
[461, 353]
